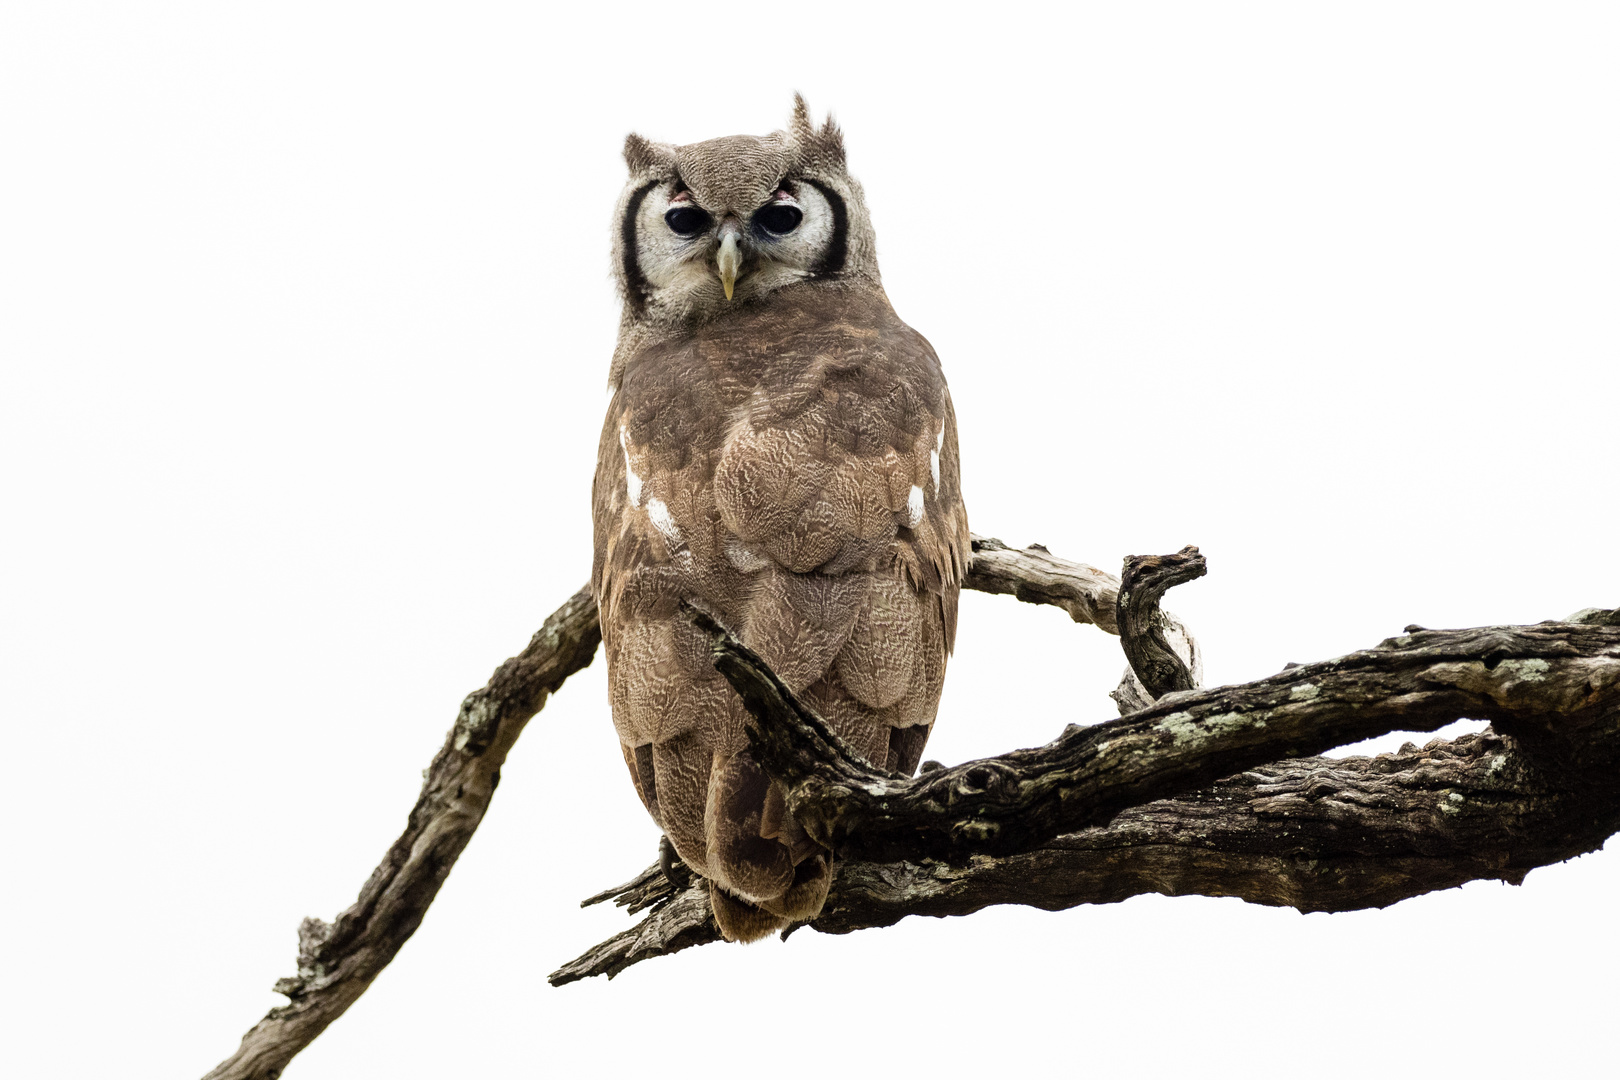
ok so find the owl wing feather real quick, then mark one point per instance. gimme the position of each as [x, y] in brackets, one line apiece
[795, 470]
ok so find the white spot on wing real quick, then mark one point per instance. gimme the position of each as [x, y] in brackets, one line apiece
[664, 521]
[914, 507]
[632, 482]
[933, 457]
[744, 557]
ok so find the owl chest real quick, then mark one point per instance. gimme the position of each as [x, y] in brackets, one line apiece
[810, 469]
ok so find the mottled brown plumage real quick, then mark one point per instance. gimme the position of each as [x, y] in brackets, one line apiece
[788, 459]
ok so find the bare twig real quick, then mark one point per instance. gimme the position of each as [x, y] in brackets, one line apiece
[650, 888]
[1036, 576]
[337, 961]
[682, 922]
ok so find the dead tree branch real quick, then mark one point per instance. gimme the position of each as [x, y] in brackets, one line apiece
[1517, 676]
[1316, 834]
[1036, 576]
[337, 961]
[1218, 839]
[1142, 626]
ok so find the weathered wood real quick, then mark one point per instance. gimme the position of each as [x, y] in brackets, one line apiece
[1519, 676]
[337, 961]
[681, 918]
[1036, 576]
[1316, 834]
[1142, 626]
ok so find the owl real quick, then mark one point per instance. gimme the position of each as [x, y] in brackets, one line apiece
[779, 449]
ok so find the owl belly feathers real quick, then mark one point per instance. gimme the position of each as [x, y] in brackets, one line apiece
[790, 464]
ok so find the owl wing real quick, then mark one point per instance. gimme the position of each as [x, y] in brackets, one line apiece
[847, 516]
[817, 507]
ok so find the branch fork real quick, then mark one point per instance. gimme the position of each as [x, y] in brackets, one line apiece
[1190, 792]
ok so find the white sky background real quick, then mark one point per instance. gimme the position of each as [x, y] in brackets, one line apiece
[305, 316]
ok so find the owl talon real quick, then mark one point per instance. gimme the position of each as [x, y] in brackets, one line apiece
[676, 872]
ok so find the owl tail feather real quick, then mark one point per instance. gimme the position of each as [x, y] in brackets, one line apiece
[764, 871]
[738, 919]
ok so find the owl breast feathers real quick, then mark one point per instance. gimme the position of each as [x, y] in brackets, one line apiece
[789, 463]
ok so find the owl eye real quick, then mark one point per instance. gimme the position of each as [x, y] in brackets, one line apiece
[779, 218]
[687, 220]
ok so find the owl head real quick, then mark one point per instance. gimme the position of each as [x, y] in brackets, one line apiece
[706, 228]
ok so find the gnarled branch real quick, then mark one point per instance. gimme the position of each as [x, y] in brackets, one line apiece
[337, 961]
[1317, 834]
[1556, 674]
[1143, 627]
[1036, 576]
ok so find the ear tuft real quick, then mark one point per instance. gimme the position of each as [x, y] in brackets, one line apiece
[825, 147]
[804, 132]
[638, 153]
[831, 139]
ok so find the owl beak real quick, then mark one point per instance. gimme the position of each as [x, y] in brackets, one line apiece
[729, 258]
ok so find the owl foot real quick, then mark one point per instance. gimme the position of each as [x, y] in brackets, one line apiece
[676, 872]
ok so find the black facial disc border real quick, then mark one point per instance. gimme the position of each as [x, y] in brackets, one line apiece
[831, 264]
[636, 287]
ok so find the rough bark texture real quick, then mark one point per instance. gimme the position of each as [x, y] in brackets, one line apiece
[1537, 682]
[1036, 576]
[337, 961]
[1183, 796]
[1317, 834]
[1142, 626]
